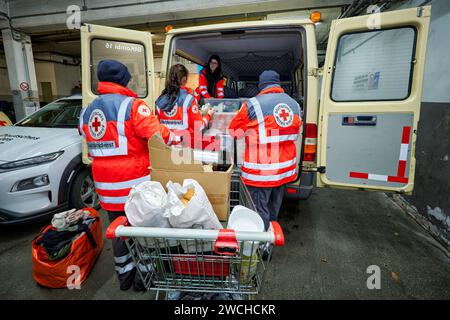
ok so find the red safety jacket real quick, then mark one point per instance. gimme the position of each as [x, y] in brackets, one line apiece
[271, 124]
[183, 118]
[202, 89]
[116, 127]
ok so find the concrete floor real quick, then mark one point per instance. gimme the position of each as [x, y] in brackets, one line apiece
[331, 239]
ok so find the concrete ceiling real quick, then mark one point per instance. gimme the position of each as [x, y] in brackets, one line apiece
[68, 41]
[45, 21]
[40, 16]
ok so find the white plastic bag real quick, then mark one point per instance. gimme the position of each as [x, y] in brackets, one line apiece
[146, 204]
[198, 213]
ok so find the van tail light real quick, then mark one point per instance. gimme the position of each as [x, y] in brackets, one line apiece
[291, 190]
[310, 148]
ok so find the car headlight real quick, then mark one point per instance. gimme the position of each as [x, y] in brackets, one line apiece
[49, 157]
[31, 183]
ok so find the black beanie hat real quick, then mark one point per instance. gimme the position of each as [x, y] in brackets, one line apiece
[267, 78]
[113, 71]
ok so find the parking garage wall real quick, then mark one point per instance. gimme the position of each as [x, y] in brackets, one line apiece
[63, 79]
[5, 89]
[67, 77]
[45, 73]
[430, 202]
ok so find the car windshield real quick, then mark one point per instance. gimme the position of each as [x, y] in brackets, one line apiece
[58, 114]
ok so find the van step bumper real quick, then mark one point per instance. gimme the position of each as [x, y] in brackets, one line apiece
[302, 190]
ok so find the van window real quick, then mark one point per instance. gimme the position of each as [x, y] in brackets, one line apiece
[193, 69]
[374, 65]
[130, 54]
[245, 54]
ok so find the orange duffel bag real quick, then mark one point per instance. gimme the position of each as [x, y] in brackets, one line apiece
[83, 253]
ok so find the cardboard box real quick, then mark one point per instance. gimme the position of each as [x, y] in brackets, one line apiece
[177, 164]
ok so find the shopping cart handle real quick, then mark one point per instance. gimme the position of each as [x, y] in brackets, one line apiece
[111, 230]
[278, 233]
[226, 243]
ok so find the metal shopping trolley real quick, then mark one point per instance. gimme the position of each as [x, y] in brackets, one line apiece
[193, 260]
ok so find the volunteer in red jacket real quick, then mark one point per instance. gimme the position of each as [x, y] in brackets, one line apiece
[210, 80]
[177, 109]
[117, 126]
[270, 123]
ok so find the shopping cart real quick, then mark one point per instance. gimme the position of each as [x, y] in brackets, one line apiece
[193, 260]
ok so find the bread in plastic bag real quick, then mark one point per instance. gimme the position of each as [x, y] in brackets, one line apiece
[197, 213]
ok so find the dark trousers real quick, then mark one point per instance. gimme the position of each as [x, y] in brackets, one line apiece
[123, 262]
[268, 202]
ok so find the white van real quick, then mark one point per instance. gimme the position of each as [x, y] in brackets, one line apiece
[360, 134]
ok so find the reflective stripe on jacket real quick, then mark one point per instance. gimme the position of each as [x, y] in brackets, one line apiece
[202, 89]
[117, 127]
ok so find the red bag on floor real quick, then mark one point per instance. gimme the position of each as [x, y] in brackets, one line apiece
[83, 254]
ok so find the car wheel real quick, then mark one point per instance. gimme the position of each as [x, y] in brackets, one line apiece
[82, 193]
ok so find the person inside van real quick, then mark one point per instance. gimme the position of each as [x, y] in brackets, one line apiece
[177, 109]
[210, 81]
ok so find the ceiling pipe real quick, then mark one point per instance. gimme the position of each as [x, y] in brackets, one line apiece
[4, 16]
[356, 8]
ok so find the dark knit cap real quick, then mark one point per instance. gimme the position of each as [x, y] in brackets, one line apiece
[113, 71]
[267, 78]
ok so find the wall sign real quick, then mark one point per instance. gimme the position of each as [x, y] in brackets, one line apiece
[24, 86]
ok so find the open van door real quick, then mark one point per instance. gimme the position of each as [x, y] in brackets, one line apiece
[132, 48]
[370, 100]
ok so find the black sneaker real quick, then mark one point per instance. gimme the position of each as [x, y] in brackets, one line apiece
[138, 286]
[124, 286]
[126, 280]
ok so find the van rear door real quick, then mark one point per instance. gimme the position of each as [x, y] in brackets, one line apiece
[370, 100]
[132, 48]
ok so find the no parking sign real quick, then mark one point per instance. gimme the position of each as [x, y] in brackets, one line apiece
[24, 86]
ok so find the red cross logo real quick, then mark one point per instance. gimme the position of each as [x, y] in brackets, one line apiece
[96, 124]
[283, 114]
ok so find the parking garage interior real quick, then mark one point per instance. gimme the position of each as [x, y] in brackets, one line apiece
[411, 236]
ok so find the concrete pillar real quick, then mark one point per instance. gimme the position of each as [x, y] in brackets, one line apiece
[21, 72]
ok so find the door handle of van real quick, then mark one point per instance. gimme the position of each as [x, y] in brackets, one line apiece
[359, 120]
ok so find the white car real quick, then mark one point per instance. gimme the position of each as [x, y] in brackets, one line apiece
[41, 171]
